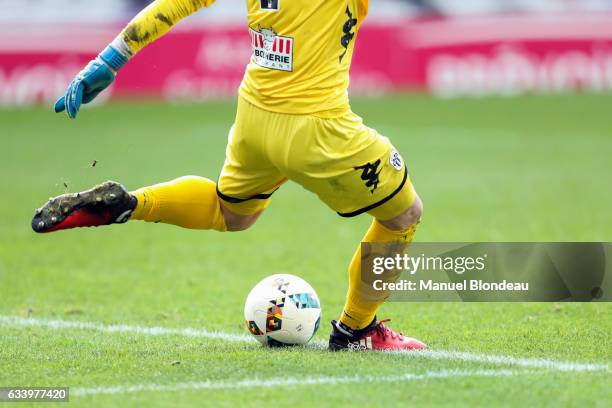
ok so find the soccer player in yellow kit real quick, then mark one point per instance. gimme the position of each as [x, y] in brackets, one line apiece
[293, 122]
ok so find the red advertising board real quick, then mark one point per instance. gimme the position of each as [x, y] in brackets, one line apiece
[448, 57]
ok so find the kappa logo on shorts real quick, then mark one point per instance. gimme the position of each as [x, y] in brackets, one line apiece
[370, 174]
[396, 160]
[271, 50]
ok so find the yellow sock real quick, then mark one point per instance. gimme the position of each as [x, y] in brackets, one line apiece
[189, 202]
[358, 313]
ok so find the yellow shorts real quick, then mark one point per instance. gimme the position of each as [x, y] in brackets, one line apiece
[351, 167]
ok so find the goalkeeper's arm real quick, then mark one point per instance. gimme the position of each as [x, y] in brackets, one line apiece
[149, 25]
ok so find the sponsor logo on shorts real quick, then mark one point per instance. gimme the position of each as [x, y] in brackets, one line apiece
[271, 50]
[396, 160]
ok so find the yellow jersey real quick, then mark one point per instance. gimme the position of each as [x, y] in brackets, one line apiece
[302, 49]
[302, 52]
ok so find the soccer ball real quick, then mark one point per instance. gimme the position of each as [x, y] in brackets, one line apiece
[282, 310]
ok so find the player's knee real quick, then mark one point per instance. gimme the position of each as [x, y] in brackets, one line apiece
[408, 218]
[238, 222]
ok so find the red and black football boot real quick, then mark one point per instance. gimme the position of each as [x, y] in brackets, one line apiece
[107, 203]
[376, 336]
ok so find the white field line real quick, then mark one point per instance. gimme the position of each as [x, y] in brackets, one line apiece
[292, 381]
[554, 365]
[121, 328]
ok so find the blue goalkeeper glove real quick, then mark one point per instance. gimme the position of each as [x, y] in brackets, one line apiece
[92, 80]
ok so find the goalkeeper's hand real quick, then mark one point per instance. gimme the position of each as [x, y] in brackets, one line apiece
[92, 80]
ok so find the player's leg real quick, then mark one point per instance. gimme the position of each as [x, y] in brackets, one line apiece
[239, 222]
[196, 203]
[362, 302]
[355, 171]
[358, 327]
[245, 186]
[188, 202]
[406, 221]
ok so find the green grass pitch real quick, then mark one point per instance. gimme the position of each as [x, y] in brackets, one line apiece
[522, 169]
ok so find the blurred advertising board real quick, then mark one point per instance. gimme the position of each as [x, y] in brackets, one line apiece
[471, 56]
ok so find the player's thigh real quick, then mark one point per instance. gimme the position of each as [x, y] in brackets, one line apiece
[359, 170]
[248, 179]
[247, 191]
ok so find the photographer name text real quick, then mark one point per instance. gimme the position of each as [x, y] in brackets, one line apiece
[465, 285]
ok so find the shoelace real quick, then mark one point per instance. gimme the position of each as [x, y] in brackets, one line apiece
[385, 332]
